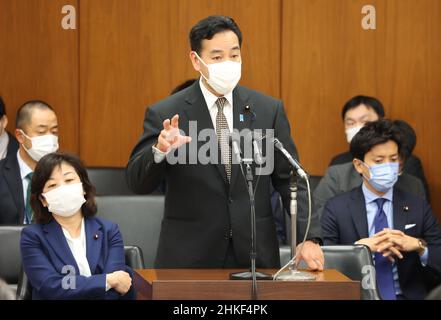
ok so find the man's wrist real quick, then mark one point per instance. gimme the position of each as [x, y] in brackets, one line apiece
[158, 155]
[156, 146]
[422, 246]
[109, 281]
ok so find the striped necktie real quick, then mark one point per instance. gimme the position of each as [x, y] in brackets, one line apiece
[223, 133]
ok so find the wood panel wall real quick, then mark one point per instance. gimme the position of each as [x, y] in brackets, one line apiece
[126, 55]
[133, 54]
[39, 60]
[327, 58]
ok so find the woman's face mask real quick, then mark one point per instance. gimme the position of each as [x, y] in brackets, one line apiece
[66, 199]
[223, 76]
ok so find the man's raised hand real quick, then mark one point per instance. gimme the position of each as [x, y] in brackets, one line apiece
[170, 137]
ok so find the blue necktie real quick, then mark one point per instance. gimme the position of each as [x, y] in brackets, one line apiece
[383, 266]
[28, 209]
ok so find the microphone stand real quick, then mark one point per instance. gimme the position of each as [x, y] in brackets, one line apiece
[251, 275]
[293, 274]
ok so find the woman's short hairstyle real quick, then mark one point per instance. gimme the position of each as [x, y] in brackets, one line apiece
[43, 172]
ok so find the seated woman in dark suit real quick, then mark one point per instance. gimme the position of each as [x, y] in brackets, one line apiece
[69, 253]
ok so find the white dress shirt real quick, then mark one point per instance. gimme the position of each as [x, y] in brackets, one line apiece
[78, 248]
[210, 100]
[4, 141]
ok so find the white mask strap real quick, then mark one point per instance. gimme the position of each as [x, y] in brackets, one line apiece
[200, 59]
[29, 138]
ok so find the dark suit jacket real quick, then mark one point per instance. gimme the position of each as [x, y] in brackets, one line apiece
[344, 222]
[45, 251]
[412, 166]
[342, 178]
[201, 209]
[341, 158]
[11, 191]
[12, 145]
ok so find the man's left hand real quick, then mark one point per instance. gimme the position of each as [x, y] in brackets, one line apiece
[312, 254]
[389, 240]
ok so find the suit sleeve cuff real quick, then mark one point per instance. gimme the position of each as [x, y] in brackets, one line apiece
[158, 155]
[424, 257]
[108, 287]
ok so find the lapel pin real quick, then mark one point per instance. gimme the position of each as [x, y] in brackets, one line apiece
[405, 208]
[95, 237]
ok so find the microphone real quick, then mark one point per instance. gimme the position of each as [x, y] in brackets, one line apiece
[256, 150]
[252, 275]
[294, 163]
[235, 148]
[257, 153]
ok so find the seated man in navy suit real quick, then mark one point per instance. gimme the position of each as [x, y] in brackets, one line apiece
[37, 135]
[399, 228]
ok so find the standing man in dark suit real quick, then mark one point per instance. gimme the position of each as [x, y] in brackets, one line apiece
[207, 210]
[37, 133]
[8, 143]
[399, 228]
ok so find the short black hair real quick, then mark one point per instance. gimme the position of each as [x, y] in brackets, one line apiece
[183, 85]
[370, 102]
[409, 138]
[24, 113]
[373, 134]
[208, 27]
[2, 108]
[43, 172]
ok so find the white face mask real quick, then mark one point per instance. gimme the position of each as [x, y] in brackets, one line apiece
[65, 200]
[351, 132]
[41, 145]
[223, 76]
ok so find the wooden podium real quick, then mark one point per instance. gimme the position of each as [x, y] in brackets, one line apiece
[214, 284]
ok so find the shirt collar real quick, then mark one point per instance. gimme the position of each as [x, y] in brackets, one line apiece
[370, 197]
[4, 140]
[210, 98]
[24, 168]
[82, 233]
